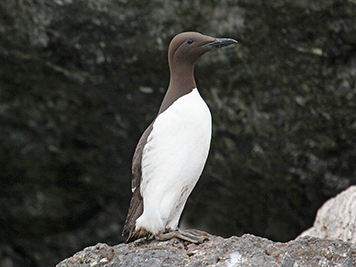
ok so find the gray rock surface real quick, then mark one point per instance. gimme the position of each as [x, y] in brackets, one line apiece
[244, 251]
[336, 219]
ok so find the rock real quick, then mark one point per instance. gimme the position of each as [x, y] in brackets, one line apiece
[336, 219]
[247, 250]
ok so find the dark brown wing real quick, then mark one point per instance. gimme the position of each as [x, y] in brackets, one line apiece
[136, 204]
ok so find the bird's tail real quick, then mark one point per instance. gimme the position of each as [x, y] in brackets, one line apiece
[135, 211]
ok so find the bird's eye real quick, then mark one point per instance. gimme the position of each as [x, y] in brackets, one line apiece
[190, 41]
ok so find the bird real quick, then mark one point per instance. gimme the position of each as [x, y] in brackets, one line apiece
[171, 153]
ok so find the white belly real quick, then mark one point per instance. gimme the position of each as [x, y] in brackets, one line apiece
[173, 160]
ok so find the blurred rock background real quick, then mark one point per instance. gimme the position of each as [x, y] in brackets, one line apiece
[81, 80]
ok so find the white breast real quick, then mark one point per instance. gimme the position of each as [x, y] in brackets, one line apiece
[173, 160]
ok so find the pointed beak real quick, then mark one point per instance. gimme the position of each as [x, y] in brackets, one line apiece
[221, 42]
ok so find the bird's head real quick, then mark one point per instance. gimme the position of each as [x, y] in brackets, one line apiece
[187, 47]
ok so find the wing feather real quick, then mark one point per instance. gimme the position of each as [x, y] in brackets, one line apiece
[136, 204]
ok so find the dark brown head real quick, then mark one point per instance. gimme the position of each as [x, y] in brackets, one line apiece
[187, 47]
[184, 50]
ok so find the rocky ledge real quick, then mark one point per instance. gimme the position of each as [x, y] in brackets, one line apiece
[247, 250]
[335, 219]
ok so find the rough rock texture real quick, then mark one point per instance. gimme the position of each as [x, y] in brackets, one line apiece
[247, 250]
[336, 219]
[80, 80]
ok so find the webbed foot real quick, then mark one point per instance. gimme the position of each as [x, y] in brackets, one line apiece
[191, 235]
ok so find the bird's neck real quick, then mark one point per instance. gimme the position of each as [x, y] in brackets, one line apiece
[182, 82]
